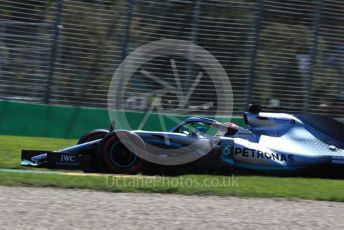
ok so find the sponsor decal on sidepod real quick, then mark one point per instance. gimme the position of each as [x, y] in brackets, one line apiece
[253, 153]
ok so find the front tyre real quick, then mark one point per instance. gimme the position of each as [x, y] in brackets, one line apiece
[93, 135]
[120, 152]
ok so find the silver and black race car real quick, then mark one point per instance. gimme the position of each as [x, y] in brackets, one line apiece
[271, 142]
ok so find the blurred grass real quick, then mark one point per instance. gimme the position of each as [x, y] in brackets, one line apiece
[241, 186]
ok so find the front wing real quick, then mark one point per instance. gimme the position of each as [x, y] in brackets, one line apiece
[55, 160]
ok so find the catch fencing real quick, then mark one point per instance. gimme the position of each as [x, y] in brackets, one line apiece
[285, 54]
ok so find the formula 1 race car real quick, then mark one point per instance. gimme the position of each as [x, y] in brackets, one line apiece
[272, 143]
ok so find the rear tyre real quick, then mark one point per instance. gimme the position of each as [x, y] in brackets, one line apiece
[114, 156]
[91, 136]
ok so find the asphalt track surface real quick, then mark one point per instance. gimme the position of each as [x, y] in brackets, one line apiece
[49, 208]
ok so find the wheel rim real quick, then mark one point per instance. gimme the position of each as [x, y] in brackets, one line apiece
[122, 157]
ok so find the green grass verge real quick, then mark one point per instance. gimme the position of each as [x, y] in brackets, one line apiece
[11, 146]
[242, 186]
